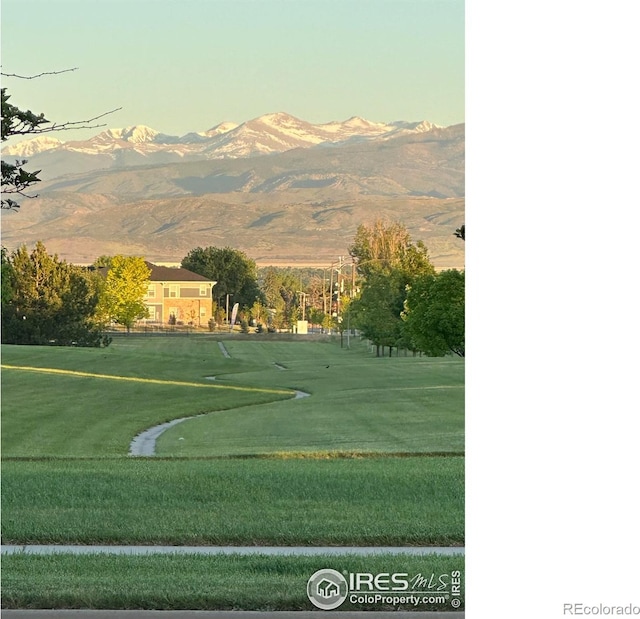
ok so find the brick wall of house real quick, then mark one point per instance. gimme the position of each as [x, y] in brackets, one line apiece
[196, 311]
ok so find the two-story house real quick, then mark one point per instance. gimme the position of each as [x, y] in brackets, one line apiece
[179, 296]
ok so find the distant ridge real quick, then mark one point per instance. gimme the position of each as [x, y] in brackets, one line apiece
[282, 189]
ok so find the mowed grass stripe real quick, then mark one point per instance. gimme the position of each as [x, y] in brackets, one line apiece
[169, 582]
[142, 380]
[335, 502]
[62, 415]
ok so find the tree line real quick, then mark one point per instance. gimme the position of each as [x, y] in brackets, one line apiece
[46, 300]
[403, 302]
[390, 292]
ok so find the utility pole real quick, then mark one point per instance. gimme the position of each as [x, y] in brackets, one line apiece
[339, 289]
[353, 278]
[324, 291]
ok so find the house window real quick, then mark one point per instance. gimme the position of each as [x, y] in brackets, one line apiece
[152, 313]
[151, 291]
[203, 290]
[173, 290]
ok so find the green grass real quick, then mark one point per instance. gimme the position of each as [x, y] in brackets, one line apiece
[305, 480]
[358, 403]
[194, 582]
[370, 501]
[76, 415]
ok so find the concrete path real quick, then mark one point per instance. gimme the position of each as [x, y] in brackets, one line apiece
[47, 549]
[144, 444]
[219, 614]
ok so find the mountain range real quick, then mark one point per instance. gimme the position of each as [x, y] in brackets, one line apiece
[280, 188]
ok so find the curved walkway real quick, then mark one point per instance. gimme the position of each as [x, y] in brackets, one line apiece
[144, 444]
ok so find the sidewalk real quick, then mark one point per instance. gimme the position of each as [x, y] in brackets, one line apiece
[40, 549]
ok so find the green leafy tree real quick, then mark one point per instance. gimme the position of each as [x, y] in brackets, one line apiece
[388, 261]
[234, 272]
[377, 312]
[49, 301]
[125, 285]
[316, 316]
[434, 315]
[280, 289]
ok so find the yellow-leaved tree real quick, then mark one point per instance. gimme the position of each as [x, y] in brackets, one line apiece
[123, 290]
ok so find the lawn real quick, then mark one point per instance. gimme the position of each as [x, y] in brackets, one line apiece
[374, 456]
[199, 582]
[357, 402]
[368, 501]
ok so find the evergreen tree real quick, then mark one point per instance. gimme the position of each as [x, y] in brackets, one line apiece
[48, 301]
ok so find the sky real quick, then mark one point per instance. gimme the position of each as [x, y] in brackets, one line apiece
[187, 65]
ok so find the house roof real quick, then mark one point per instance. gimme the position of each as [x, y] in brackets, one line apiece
[172, 274]
[165, 274]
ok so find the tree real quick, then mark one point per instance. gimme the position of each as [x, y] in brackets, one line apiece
[48, 301]
[125, 285]
[5, 277]
[102, 261]
[280, 290]
[379, 246]
[377, 311]
[15, 179]
[316, 316]
[459, 233]
[258, 312]
[434, 315]
[235, 273]
[388, 262]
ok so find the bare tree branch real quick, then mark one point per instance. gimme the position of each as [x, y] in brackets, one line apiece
[78, 124]
[15, 179]
[33, 77]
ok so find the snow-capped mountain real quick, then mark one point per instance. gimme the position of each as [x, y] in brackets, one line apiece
[223, 127]
[277, 187]
[267, 134]
[137, 134]
[37, 145]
